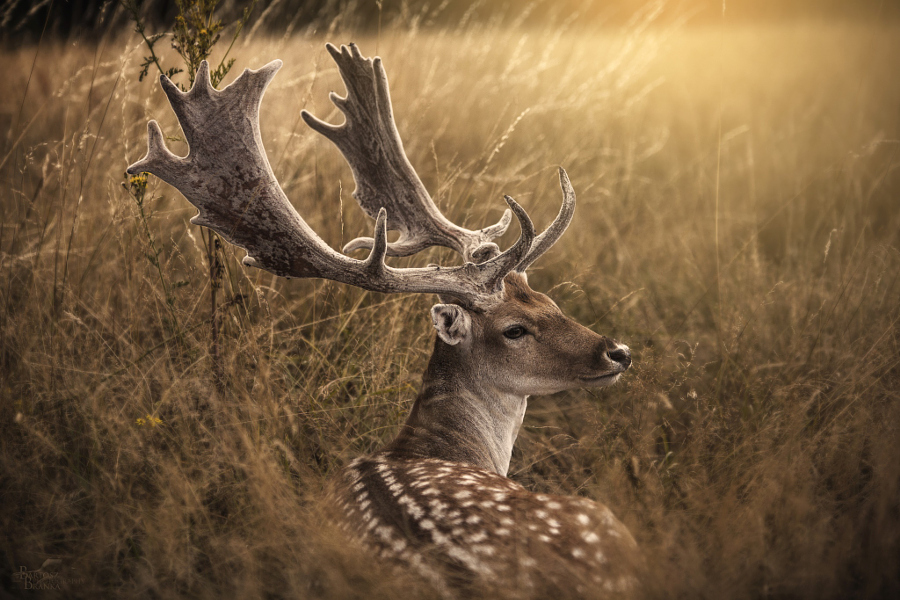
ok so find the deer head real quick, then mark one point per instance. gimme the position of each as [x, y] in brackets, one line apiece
[525, 345]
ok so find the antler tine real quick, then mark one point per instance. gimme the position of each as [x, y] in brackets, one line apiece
[384, 177]
[158, 159]
[559, 225]
[375, 261]
[182, 102]
[228, 178]
[516, 253]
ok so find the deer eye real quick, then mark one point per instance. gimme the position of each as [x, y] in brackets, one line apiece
[514, 332]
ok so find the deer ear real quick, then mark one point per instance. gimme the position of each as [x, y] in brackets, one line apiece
[452, 322]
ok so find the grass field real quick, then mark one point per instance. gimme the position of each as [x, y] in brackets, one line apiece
[738, 226]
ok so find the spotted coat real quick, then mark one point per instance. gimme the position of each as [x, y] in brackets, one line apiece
[465, 528]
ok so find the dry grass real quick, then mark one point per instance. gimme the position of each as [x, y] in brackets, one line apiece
[753, 449]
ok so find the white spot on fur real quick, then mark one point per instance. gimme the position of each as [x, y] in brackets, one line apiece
[413, 508]
[478, 537]
[439, 538]
[467, 559]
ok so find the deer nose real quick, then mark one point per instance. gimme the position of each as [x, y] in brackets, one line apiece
[621, 355]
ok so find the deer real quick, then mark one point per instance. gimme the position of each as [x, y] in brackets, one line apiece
[436, 500]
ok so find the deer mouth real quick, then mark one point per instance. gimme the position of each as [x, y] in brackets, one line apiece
[602, 380]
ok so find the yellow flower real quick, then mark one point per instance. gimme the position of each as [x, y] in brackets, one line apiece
[138, 181]
[148, 420]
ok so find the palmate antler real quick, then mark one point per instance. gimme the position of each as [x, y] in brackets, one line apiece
[227, 177]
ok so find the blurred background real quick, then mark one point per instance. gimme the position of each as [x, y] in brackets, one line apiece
[26, 19]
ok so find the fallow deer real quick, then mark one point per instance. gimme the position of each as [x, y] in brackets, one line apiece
[436, 499]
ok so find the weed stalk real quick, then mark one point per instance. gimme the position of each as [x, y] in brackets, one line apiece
[195, 33]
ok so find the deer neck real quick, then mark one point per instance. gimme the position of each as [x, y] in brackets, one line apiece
[460, 415]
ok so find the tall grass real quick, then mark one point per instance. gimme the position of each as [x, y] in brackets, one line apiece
[737, 227]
